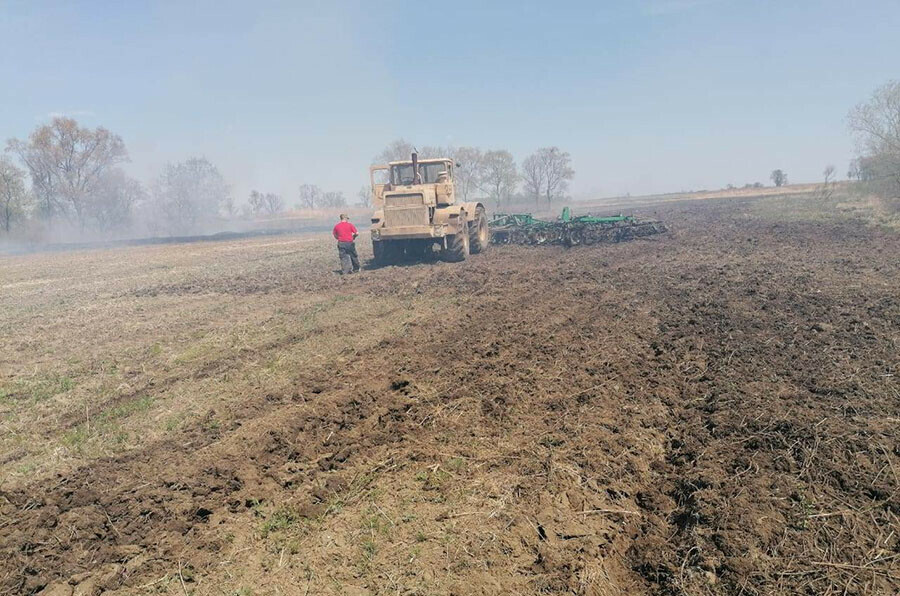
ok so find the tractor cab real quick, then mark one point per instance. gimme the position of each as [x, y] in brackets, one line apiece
[432, 171]
[401, 182]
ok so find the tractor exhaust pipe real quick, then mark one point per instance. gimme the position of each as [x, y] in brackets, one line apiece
[415, 164]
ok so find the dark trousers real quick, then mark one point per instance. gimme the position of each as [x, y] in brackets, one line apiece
[349, 259]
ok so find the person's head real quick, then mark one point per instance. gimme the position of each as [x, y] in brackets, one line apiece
[345, 217]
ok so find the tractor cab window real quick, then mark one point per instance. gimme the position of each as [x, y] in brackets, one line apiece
[402, 174]
[431, 171]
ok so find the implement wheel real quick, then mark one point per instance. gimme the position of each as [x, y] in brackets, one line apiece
[479, 233]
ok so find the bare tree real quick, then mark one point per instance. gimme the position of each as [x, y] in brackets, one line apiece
[333, 199]
[855, 169]
[499, 176]
[113, 200]
[779, 177]
[867, 169]
[533, 176]
[255, 200]
[825, 191]
[546, 173]
[876, 124]
[268, 203]
[433, 151]
[397, 150]
[273, 204]
[401, 150]
[13, 197]
[364, 196]
[469, 171]
[557, 172]
[310, 196]
[228, 206]
[188, 193]
[66, 163]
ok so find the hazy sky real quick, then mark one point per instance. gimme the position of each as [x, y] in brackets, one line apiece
[647, 96]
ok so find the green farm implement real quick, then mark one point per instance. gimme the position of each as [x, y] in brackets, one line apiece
[523, 228]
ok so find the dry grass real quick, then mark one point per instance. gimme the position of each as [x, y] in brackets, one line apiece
[106, 351]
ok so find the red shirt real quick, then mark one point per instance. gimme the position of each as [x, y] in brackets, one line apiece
[344, 231]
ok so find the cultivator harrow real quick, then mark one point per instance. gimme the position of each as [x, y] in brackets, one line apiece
[523, 228]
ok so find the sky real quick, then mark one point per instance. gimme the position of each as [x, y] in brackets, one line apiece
[647, 96]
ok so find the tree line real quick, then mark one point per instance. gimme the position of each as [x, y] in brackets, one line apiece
[309, 197]
[493, 174]
[67, 175]
[876, 125]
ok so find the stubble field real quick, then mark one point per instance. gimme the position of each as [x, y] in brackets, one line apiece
[712, 411]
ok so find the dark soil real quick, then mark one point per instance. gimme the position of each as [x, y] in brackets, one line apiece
[710, 411]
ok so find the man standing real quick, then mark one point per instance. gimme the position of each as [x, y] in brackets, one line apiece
[345, 233]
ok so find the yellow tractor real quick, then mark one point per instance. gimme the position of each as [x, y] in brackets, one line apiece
[416, 210]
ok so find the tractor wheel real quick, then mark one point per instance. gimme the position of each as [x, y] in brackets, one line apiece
[378, 251]
[458, 245]
[386, 252]
[479, 233]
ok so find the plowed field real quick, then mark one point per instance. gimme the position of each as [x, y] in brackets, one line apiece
[715, 410]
